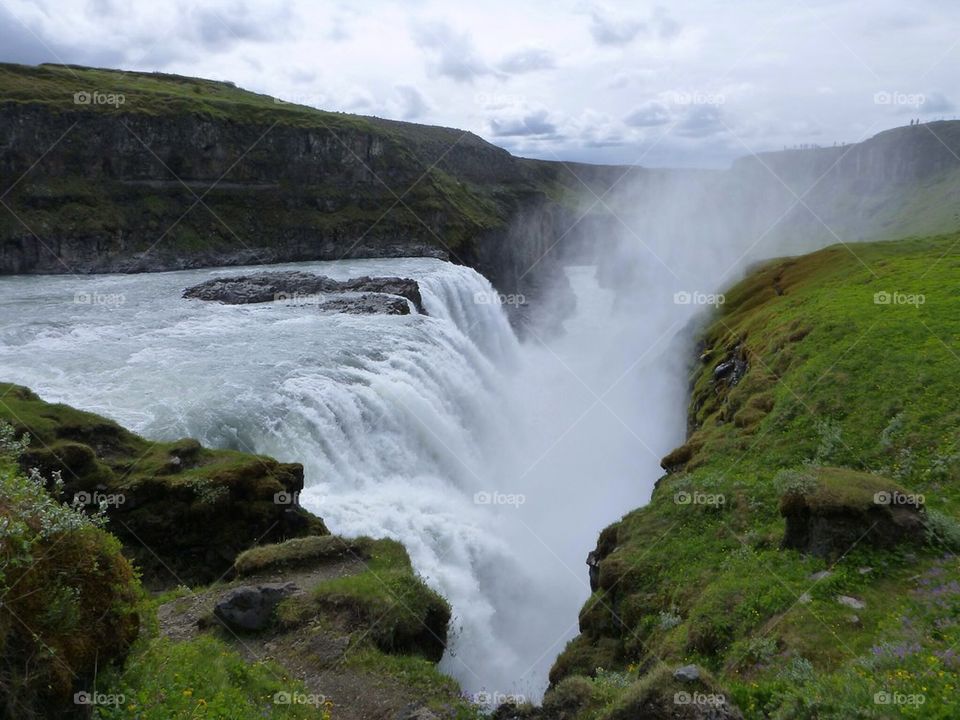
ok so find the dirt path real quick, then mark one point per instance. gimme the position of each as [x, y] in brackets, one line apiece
[314, 654]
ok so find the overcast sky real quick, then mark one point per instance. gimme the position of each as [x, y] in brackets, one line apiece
[679, 83]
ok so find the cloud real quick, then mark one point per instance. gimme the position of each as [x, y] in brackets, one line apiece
[536, 123]
[701, 121]
[453, 53]
[650, 114]
[664, 25]
[527, 60]
[20, 45]
[609, 30]
[219, 30]
[412, 103]
[937, 102]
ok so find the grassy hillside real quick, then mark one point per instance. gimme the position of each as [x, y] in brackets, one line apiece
[827, 384]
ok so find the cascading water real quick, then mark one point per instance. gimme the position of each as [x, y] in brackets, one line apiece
[424, 429]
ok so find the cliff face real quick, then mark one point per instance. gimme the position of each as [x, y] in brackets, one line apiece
[189, 173]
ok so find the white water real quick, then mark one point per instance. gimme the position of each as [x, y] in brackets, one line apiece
[399, 421]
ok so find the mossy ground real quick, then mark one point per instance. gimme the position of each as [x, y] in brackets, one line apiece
[837, 377]
[69, 600]
[221, 502]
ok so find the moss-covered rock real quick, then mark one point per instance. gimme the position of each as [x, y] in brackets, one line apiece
[70, 600]
[386, 603]
[183, 512]
[843, 507]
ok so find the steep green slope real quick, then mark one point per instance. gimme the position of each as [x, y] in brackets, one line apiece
[826, 385]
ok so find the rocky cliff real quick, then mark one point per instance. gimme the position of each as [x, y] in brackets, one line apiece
[109, 171]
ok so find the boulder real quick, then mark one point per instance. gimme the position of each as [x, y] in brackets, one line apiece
[845, 508]
[250, 607]
[687, 673]
[357, 295]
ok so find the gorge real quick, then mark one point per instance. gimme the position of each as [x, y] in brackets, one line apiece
[497, 433]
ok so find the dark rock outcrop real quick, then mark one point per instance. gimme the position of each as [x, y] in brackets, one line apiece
[183, 512]
[847, 508]
[250, 607]
[366, 294]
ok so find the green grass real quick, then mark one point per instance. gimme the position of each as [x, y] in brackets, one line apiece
[387, 603]
[834, 380]
[204, 678]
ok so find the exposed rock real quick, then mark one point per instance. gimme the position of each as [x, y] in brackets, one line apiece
[416, 711]
[250, 607]
[358, 295]
[687, 673]
[845, 509]
[851, 602]
[731, 370]
[178, 528]
[820, 575]
[367, 304]
[606, 544]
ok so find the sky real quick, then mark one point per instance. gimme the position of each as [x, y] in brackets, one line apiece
[685, 83]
